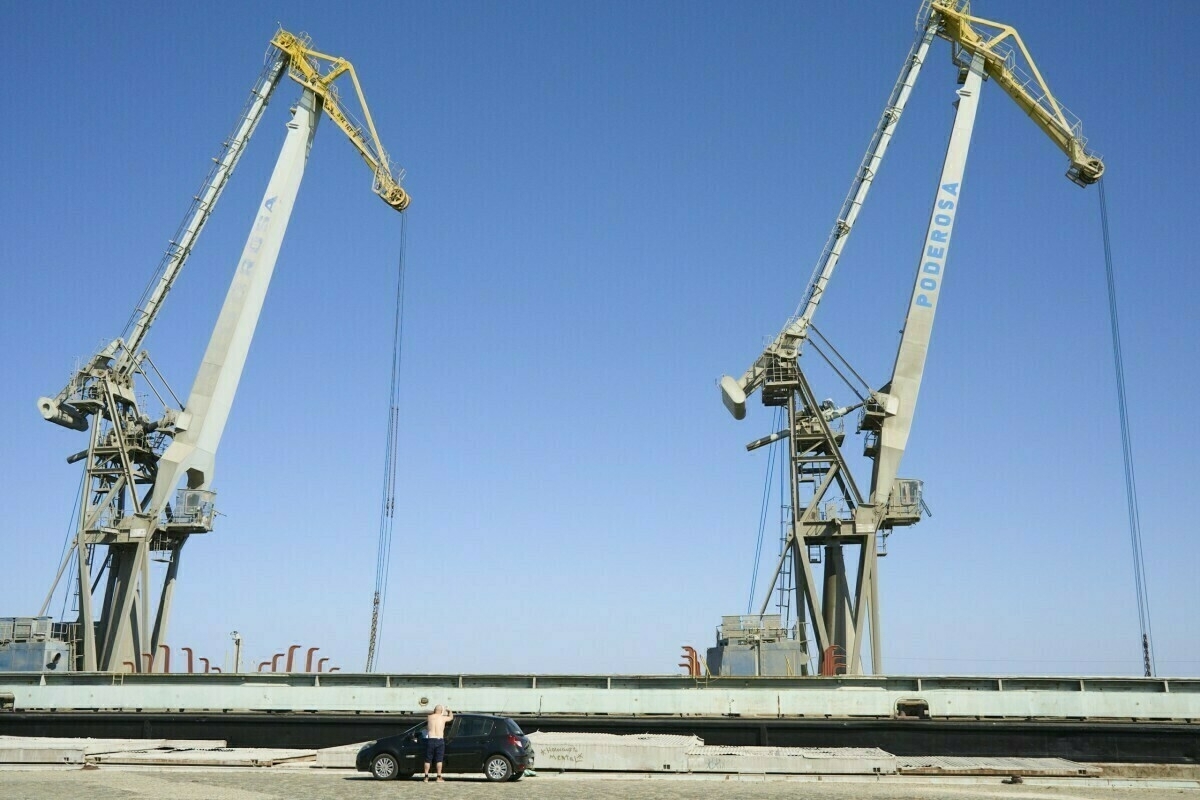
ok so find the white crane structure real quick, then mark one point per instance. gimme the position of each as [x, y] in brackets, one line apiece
[148, 481]
[835, 616]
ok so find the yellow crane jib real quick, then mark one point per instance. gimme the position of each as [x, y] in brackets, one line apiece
[999, 45]
[304, 66]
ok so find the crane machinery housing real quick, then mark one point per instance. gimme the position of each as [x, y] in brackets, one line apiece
[148, 479]
[833, 619]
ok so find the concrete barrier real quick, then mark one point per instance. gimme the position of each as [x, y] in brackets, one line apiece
[338, 757]
[612, 752]
[655, 753]
[792, 760]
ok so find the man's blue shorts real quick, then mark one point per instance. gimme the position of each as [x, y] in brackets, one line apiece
[435, 751]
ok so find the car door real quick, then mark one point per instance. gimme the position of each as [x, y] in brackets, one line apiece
[411, 750]
[464, 748]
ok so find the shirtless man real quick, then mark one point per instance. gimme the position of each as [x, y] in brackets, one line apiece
[435, 745]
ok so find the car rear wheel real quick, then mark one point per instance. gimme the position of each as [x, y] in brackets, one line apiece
[384, 767]
[498, 768]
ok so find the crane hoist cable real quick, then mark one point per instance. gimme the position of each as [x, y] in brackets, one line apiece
[67, 555]
[762, 512]
[387, 513]
[1135, 524]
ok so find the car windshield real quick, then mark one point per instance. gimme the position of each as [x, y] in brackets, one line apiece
[513, 727]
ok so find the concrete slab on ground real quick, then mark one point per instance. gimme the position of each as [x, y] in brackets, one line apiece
[612, 752]
[338, 757]
[45, 750]
[1025, 767]
[792, 760]
[211, 757]
[41, 754]
[651, 753]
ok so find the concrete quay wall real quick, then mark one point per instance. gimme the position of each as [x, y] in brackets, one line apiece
[627, 696]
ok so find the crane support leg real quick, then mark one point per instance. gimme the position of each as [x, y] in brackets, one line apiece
[86, 627]
[909, 368]
[192, 453]
[129, 626]
[164, 606]
[208, 404]
[121, 629]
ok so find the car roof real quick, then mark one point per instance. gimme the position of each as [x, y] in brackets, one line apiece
[457, 715]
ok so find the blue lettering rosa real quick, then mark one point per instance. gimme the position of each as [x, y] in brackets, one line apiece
[942, 219]
[945, 205]
[942, 237]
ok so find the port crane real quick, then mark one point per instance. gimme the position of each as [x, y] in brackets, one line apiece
[148, 480]
[835, 616]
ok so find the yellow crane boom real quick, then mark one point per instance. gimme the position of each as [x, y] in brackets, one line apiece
[999, 45]
[304, 66]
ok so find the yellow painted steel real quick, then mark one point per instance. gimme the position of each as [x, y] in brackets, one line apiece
[304, 66]
[959, 27]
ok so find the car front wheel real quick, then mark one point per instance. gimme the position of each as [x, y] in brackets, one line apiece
[498, 768]
[384, 767]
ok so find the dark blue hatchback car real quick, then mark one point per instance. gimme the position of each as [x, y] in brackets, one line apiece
[495, 746]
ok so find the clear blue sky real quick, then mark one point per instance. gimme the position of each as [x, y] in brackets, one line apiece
[613, 205]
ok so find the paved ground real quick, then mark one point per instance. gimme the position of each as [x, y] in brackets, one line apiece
[111, 783]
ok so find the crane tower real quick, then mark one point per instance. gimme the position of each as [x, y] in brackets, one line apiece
[829, 512]
[148, 479]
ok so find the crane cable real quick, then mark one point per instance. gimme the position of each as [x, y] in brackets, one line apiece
[70, 543]
[762, 513]
[1135, 525]
[387, 519]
